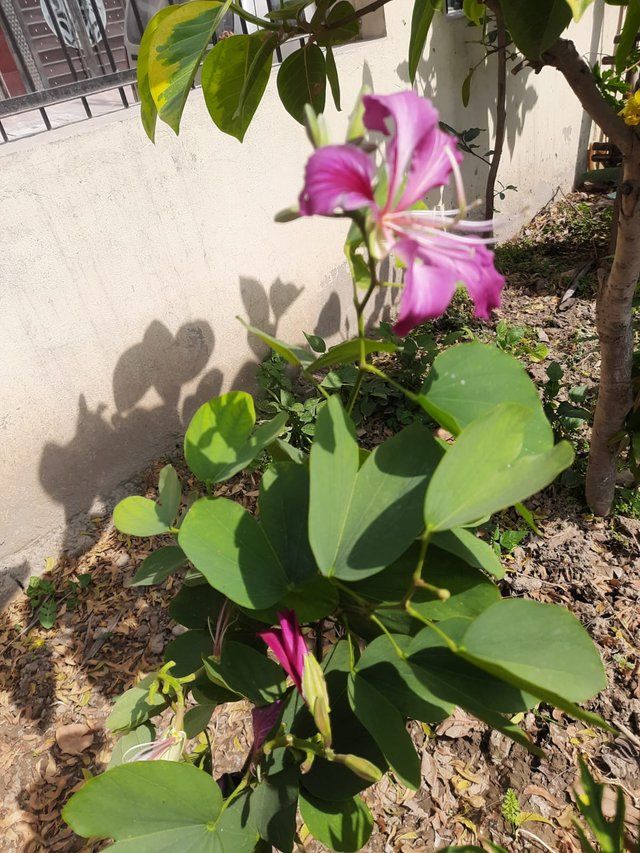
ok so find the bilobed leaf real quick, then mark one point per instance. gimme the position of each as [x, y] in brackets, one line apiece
[506, 635]
[347, 352]
[473, 551]
[175, 52]
[284, 508]
[423, 12]
[138, 516]
[628, 35]
[141, 735]
[196, 606]
[273, 806]
[187, 651]
[159, 565]
[470, 591]
[148, 109]
[352, 509]
[468, 380]
[483, 472]
[248, 672]
[134, 706]
[218, 442]
[344, 825]
[231, 95]
[169, 494]
[147, 806]
[387, 727]
[302, 80]
[534, 27]
[226, 544]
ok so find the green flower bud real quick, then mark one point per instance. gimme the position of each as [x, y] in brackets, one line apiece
[314, 690]
[361, 767]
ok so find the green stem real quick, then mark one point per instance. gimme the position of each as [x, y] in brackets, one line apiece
[254, 19]
[370, 368]
[414, 613]
[417, 572]
[355, 391]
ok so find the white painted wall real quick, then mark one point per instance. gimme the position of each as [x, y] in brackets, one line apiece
[123, 266]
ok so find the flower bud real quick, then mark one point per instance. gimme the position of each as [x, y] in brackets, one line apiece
[361, 767]
[314, 690]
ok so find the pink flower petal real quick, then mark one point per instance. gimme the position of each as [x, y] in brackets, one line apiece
[415, 119]
[427, 292]
[288, 645]
[337, 177]
[430, 166]
[485, 288]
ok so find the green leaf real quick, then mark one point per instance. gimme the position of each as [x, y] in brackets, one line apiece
[628, 35]
[344, 826]
[47, 613]
[232, 96]
[196, 606]
[284, 507]
[473, 551]
[148, 110]
[468, 380]
[302, 80]
[423, 12]
[505, 639]
[138, 516]
[175, 51]
[534, 27]
[158, 566]
[387, 727]
[332, 77]
[218, 442]
[471, 591]
[347, 352]
[465, 92]
[475, 10]
[273, 807]
[226, 544]
[578, 7]
[246, 671]
[198, 718]
[149, 806]
[608, 833]
[316, 343]
[187, 651]
[343, 33]
[352, 509]
[169, 494]
[484, 472]
[297, 356]
[143, 734]
[134, 707]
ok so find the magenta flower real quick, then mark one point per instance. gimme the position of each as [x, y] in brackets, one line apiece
[439, 249]
[288, 645]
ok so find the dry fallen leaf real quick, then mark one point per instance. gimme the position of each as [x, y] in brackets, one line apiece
[74, 738]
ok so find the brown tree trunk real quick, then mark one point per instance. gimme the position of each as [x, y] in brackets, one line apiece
[614, 326]
[501, 113]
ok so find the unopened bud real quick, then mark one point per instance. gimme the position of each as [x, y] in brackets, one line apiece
[361, 767]
[316, 127]
[314, 690]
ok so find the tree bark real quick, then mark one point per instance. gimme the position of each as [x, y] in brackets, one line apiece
[615, 332]
[615, 297]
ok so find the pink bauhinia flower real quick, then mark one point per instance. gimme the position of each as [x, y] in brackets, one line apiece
[288, 645]
[439, 248]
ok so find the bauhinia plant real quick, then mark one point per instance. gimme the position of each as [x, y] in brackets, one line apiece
[235, 72]
[359, 596]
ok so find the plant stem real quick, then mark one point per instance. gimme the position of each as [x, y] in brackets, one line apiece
[355, 16]
[253, 19]
[417, 572]
[501, 116]
[370, 368]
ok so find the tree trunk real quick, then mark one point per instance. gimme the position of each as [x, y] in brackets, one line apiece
[501, 114]
[614, 326]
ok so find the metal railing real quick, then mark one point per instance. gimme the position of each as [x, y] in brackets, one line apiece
[63, 61]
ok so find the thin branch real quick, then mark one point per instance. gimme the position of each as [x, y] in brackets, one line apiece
[564, 56]
[355, 16]
[501, 115]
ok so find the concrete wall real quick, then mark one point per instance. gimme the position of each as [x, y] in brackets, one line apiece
[123, 266]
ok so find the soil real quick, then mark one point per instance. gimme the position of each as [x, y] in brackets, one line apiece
[56, 685]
